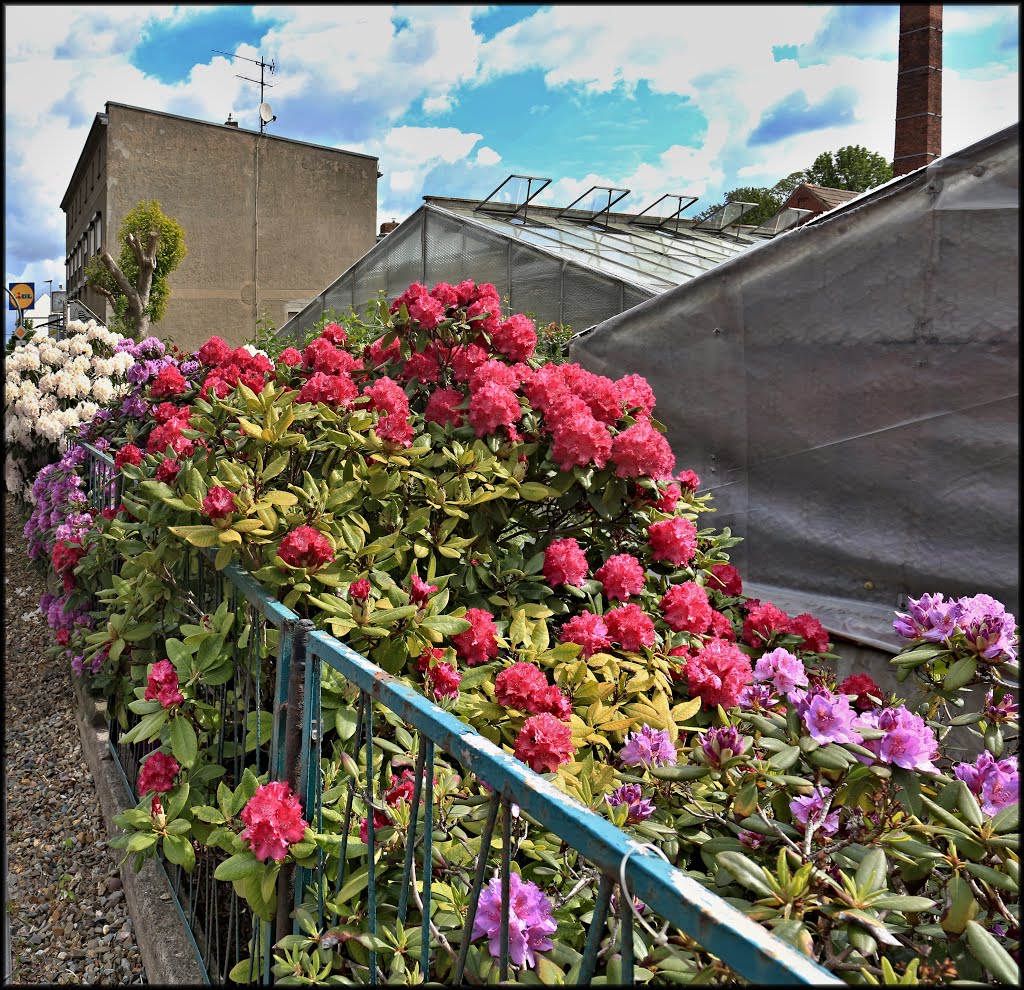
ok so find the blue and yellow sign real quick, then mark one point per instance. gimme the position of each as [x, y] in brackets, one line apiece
[24, 292]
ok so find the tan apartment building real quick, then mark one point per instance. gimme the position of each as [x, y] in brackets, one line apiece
[268, 221]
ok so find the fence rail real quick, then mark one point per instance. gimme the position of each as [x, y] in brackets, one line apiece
[519, 798]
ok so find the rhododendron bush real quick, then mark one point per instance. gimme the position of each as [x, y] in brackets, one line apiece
[515, 538]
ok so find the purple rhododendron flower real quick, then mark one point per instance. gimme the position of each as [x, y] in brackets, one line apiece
[721, 745]
[829, 718]
[907, 743]
[134, 406]
[811, 809]
[640, 808]
[930, 617]
[989, 630]
[784, 670]
[529, 920]
[758, 697]
[994, 782]
[648, 747]
[1002, 711]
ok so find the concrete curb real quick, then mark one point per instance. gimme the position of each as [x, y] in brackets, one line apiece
[165, 944]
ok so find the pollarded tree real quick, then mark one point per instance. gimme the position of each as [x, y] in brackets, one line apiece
[152, 247]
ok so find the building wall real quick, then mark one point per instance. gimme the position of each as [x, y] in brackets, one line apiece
[316, 210]
[85, 219]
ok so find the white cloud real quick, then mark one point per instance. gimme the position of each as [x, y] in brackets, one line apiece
[438, 104]
[487, 156]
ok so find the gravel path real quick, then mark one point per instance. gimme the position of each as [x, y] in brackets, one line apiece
[68, 918]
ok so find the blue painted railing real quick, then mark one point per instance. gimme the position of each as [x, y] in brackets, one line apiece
[617, 859]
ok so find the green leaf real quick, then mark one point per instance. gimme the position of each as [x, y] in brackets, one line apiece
[446, 625]
[198, 536]
[992, 877]
[987, 950]
[960, 673]
[238, 867]
[899, 902]
[179, 851]
[872, 874]
[276, 466]
[246, 971]
[533, 491]
[356, 883]
[1007, 820]
[746, 873]
[184, 744]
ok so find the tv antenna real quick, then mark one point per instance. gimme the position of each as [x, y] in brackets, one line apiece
[266, 114]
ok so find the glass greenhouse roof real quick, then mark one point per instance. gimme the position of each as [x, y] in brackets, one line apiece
[643, 254]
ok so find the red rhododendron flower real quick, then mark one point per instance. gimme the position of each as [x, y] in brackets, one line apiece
[65, 558]
[378, 354]
[444, 680]
[359, 590]
[387, 397]
[381, 819]
[497, 373]
[445, 294]
[686, 608]
[331, 390]
[426, 311]
[485, 311]
[546, 386]
[725, 578]
[491, 406]
[401, 788]
[422, 367]
[214, 352]
[589, 631]
[722, 627]
[273, 821]
[158, 773]
[479, 643]
[670, 496]
[421, 591]
[334, 333]
[169, 381]
[165, 412]
[544, 743]
[442, 407]
[465, 360]
[641, 451]
[553, 701]
[718, 673]
[865, 689]
[762, 623]
[219, 503]
[630, 627]
[674, 540]
[689, 480]
[813, 633]
[290, 357]
[636, 395]
[599, 393]
[169, 435]
[520, 686]
[322, 356]
[162, 685]
[395, 429]
[306, 547]
[128, 454]
[516, 337]
[565, 563]
[622, 576]
[168, 470]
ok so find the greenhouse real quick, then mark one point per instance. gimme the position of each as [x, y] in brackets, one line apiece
[577, 265]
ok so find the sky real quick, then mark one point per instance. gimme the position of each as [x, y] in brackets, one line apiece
[679, 99]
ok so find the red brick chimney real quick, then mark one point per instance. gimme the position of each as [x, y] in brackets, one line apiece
[918, 88]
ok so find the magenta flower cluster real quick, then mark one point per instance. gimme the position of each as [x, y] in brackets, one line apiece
[530, 920]
[648, 748]
[981, 624]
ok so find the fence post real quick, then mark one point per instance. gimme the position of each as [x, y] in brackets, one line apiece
[295, 712]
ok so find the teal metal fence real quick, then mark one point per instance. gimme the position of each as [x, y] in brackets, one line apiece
[392, 719]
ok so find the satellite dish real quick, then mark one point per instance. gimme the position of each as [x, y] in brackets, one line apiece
[266, 114]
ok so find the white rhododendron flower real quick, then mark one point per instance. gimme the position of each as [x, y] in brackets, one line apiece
[102, 391]
[12, 475]
[79, 345]
[12, 389]
[28, 406]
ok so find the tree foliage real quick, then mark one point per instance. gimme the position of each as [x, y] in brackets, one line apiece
[852, 167]
[152, 246]
[768, 199]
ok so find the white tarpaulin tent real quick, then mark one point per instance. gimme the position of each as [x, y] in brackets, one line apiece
[849, 390]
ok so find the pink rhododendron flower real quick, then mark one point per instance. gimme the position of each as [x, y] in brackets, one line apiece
[579, 438]
[589, 631]
[359, 590]
[784, 670]
[718, 673]
[446, 295]
[465, 360]
[622, 576]
[689, 480]
[811, 809]
[829, 718]
[332, 390]
[497, 373]
[630, 627]
[214, 352]
[493, 405]
[290, 357]
[442, 407]
[479, 643]
[530, 920]
[334, 333]
[162, 685]
[670, 495]
[168, 470]
[158, 773]
[273, 821]
[516, 337]
[519, 686]
[726, 579]
[995, 783]
[421, 590]
[381, 819]
[908, 741]
[444, 680]
[721, 627]
[674, 540]
[686, 608]
[218, 503]
[306, 547]
[544, 743]
[636, 395]
[565, 563]
[387, 397]
[640, 451]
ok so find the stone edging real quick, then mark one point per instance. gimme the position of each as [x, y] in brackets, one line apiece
[164, 943]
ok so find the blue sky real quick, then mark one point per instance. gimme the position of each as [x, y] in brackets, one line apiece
[687, 99]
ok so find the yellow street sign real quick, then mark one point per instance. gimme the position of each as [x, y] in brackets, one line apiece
[24, 292]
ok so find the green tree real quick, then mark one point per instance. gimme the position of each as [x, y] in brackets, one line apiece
[852, 167]
[152, 247]
[768, 199]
